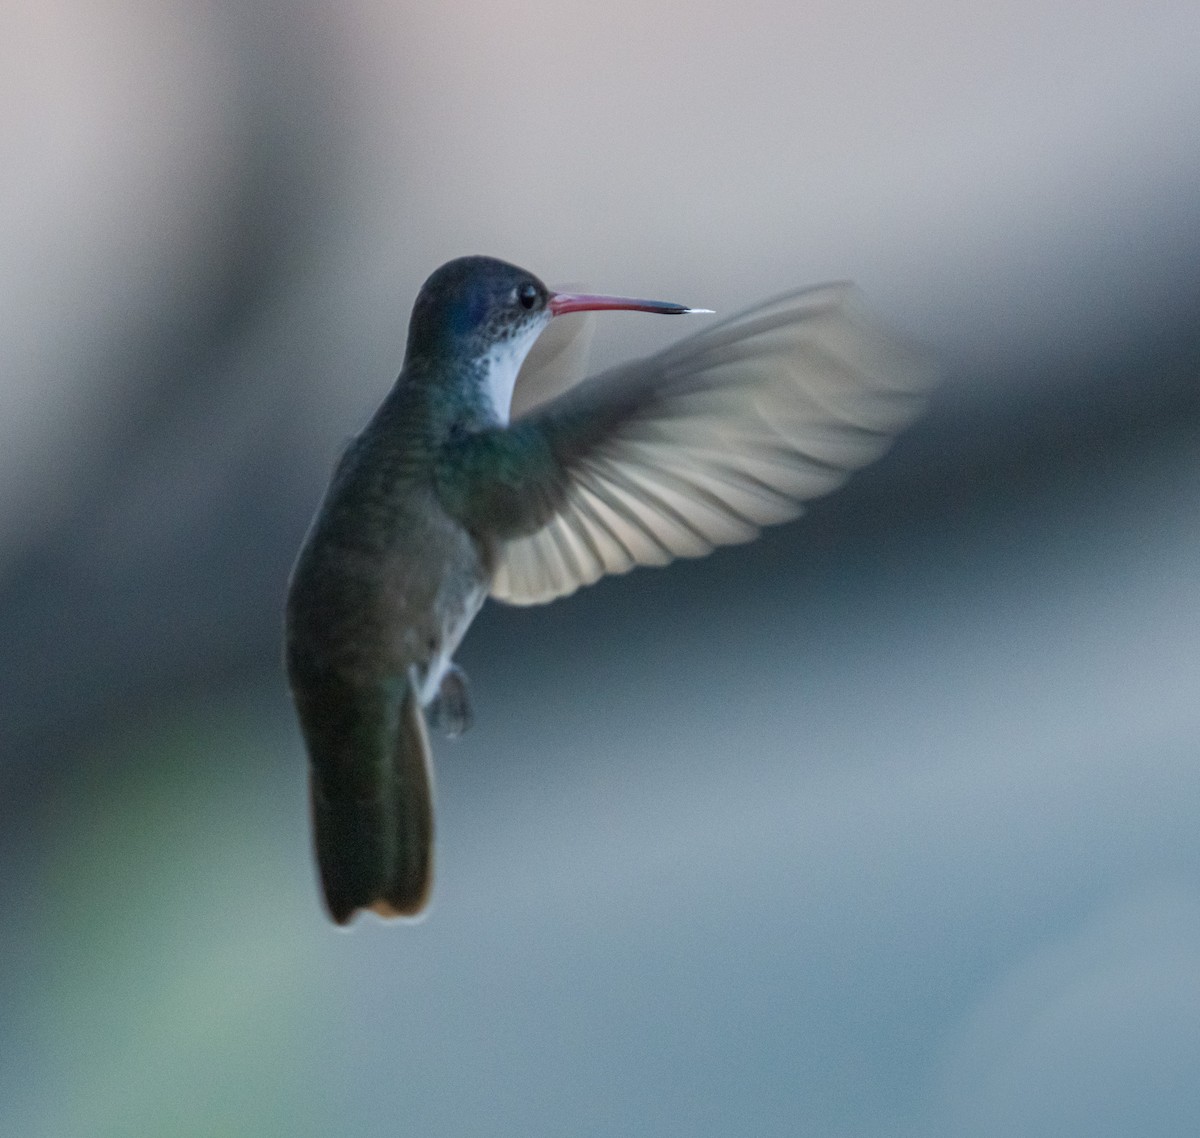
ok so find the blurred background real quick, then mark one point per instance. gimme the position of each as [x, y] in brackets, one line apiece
[882, 825]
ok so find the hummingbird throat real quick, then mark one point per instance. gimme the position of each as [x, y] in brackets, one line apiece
[501, 365]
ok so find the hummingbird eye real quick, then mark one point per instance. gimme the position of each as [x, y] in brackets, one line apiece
[527, 295]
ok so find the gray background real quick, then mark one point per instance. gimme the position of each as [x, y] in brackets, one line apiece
[883, 825]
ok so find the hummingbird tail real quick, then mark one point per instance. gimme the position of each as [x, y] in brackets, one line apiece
[374, 842]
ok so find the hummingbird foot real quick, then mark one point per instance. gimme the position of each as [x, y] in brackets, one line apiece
[450, 711]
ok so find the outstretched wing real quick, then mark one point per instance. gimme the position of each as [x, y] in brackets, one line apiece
[702, 444]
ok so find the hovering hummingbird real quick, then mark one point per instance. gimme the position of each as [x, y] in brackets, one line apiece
[442, 501]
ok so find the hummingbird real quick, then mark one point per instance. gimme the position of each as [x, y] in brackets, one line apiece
[445, 498]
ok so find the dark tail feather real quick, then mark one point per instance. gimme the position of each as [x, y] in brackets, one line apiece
[405, 888]
[374, 838]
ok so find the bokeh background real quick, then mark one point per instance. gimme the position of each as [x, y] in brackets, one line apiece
[883, 825]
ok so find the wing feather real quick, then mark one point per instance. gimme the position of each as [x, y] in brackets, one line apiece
[701, 445]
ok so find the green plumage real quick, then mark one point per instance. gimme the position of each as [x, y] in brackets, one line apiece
[395, 566]
[501, 482]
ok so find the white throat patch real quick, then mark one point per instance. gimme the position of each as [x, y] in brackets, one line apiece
[501, 366]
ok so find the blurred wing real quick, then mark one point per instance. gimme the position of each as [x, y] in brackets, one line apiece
[556, 363]
[706, 442]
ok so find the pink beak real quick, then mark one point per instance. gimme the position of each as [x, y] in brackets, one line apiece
[564, 302]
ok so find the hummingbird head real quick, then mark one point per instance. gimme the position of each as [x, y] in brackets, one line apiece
[471, 305]
[478, 317]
